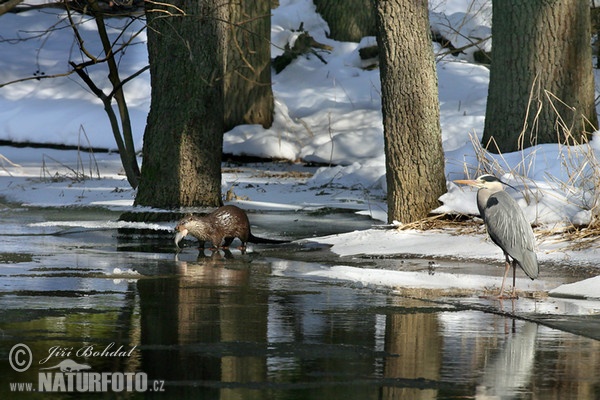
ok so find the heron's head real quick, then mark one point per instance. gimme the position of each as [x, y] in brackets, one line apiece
[486, 181]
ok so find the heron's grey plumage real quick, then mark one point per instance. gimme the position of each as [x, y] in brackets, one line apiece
[508, 228]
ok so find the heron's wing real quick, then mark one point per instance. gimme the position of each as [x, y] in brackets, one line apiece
[508, 228]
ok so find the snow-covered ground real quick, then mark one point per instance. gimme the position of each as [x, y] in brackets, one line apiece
[326, 113]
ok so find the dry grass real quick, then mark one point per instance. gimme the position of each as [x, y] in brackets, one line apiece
[283, 174]
[5, 161]
[428, 293]
[83, 170]
[498, 165]
[451, 223]
[571, 237]
[577, 185]
[488, 292]
[565, 237]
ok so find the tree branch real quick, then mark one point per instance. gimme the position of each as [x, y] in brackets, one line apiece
[130, 77]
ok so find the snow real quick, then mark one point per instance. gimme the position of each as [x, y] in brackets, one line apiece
[328, 113]
[378, 278]
[587, 288]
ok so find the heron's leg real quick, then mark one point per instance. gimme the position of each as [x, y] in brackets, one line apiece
[506, 269]
[514, 291]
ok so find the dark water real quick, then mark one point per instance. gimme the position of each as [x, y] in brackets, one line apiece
[227, 327]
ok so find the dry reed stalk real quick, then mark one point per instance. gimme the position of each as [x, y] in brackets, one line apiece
[579, 164]
[450, 223]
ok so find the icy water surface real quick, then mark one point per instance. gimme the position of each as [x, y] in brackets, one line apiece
[226, 326]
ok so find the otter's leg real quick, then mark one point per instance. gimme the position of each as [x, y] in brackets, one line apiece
[227, 242]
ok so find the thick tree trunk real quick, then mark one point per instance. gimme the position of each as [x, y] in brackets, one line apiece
[409, 96]
[248, 92]
[348, 20]
[184, 134]
[541, 74]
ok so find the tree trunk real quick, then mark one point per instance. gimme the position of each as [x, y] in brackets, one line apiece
[541, 78]
[248, 92]
[8, 5]
[348, 20]
[184, 133]
[409, 97]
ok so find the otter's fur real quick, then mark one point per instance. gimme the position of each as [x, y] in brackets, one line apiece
[220, 228]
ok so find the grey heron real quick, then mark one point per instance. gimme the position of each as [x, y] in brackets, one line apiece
[507, 226]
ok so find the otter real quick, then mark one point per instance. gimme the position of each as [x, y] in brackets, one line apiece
[220, 228]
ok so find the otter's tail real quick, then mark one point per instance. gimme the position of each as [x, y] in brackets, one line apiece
[255, 239]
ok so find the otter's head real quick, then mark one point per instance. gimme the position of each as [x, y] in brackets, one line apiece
[181, 229]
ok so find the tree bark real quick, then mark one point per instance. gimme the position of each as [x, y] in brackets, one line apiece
[248, 92]
[348, 20]
[8, 5]
[410, 106]
[541, 80]
[184, 133]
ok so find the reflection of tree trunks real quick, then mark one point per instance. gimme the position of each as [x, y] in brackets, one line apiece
[416, 340]
[579, 368]
[199, 309]
[242, 320]
[174, 314]
[127, 332]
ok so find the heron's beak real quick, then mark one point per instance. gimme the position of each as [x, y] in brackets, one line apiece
[179, 235]
[470, 182]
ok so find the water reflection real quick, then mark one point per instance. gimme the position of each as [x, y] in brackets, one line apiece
[415, 340]
[228, 329]
[189, 319]
[224, 326]
[510, 370]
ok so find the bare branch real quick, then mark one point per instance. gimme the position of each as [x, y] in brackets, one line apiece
[37, 78]
[79, 70]
[130, 77]
[78, 37]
